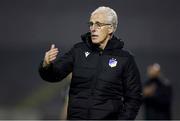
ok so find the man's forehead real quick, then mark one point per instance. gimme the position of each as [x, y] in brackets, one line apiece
[98, 17]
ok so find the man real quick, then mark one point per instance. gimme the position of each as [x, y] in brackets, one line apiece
[157, 95]
[105, 79]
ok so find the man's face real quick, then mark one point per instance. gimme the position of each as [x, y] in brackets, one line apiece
[99, 28]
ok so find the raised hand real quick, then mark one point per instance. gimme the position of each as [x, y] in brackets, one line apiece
[50, 55]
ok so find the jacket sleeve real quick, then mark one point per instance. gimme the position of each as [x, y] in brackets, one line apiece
[59, 69]
[132, 90]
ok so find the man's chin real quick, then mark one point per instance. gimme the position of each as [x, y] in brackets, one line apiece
[95, 41]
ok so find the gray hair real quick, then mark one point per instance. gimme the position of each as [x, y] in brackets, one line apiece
[112, 16]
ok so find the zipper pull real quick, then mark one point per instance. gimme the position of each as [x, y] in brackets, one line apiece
[101, 52]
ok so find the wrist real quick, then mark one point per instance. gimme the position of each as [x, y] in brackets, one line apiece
[45, 64]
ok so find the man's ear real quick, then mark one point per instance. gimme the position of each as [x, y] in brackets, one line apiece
[110, 29]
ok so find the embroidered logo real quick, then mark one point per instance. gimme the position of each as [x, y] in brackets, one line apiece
[112, 62]
[86, 54]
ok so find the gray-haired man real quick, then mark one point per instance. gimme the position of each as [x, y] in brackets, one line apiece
[105, 79]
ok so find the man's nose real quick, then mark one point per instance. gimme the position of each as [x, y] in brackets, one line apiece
[93, 28]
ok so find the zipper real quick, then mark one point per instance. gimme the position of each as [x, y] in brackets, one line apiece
[93, 83]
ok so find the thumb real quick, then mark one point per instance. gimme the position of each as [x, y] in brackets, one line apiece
[52, 46]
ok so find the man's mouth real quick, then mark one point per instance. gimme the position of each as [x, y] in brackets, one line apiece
[94, 36]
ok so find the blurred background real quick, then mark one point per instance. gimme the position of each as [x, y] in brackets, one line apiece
[149, 28]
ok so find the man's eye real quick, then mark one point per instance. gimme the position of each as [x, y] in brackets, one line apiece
[90, 23]
[98, 24]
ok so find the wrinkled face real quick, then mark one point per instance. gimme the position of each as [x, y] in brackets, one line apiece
[99, 27]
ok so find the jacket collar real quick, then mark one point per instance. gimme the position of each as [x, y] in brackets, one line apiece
[113, 43]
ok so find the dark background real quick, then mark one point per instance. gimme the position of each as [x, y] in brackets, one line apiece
[149, 28]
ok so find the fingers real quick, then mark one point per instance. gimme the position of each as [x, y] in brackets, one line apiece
[52, 59]
[53, 51]
[51, 54]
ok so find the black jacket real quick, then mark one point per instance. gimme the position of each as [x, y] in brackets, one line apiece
[105, 83]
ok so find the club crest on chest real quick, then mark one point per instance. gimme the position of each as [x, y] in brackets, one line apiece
[112, 62]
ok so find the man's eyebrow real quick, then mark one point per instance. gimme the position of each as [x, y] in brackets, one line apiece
[95, 22]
